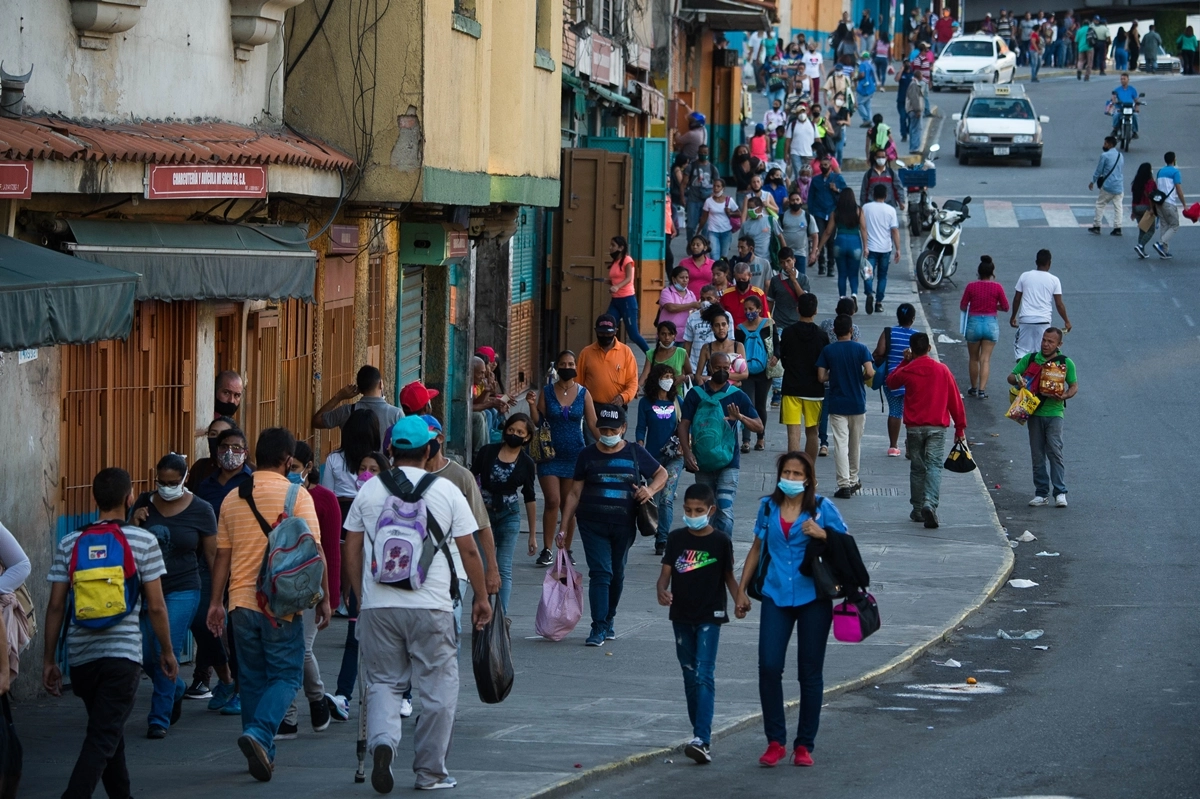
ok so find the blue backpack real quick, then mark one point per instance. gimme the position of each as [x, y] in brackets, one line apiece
[756, 351]
[290, 577]
[103, 577]
[866, 84]
[713, 439]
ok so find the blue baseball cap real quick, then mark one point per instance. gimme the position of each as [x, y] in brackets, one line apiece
[432, 421]
[411, 432]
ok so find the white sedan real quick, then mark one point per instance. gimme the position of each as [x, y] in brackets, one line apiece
[977, 58]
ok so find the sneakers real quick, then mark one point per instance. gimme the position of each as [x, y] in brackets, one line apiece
[339, 707]
[444, 782]
[610, 631]
[544, 558]
[1161, 250]
[405, 708]
[929, 516]
[845, 492]
[571, 557]
[699, 751]
[381, 772]
[893, 452]
[595, 639]
[221, 696]
[1140, 250]
[775, 753]
[1116, 232]
[320, 714]
[233, 707]
[1095, 229]
[198, 690]
[156, 733]
[801, 757]
[878, 307]
[660, 548]
[823, 451]
[870, 304]
[256, 758]
[288, 732]
[916, 516]
[1060, 501]
[1039, 502]
[972, 391]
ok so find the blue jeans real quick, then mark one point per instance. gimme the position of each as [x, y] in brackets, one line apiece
[904, 124]
[864, 107]
[839, 147]
[823, 425]
[696, 648]
[812, 623]
[881, 67]
[913, 120]
[693, 209]
[926, 453]
[271, 670]
[847, 252]
[724, 484]
[1046, 445]
[880, 261]
[181, 609]
[666, 499]
[506, 528]
[719, 243]
[1035, 64]
[1117, 121]
[606, 548]
[625, 309]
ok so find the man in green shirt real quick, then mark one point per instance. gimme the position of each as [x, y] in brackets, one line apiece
[1083, 45]
[1046, 423]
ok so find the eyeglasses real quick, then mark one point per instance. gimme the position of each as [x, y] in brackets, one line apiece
[238, 448]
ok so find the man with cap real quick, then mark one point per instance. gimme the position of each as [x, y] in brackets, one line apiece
[415, 399]
[603, 501]
[408, 636]
[607, 367]
[369, 384]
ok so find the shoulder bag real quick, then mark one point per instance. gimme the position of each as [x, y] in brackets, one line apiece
[541, 446]
[647, 513]
[754, 589]
[1104, 177]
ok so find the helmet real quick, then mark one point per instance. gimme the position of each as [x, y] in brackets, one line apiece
[697, 118]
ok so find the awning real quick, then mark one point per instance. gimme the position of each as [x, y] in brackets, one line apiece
[202, 262]
[730, 15]
[619, 100]
[49, 298]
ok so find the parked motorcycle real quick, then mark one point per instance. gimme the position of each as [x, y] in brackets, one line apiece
[939, 257]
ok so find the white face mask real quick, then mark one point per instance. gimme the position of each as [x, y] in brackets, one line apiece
[803, 117]
[880, 161]
[171, 493]
[666, 384]
[839, 103]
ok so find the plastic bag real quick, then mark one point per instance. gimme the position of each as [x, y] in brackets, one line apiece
[1023, 406]
[491, 657]
[561, 605]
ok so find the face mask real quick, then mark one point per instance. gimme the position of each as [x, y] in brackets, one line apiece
[742, 285]
[702, 157]
[791, 488]
[231, 461]
[880, 161]
[803, 117]
[720, 377]
[171, 493]
[704, 304]
[610, 441]
[566, 374]
[296, 477]
[666, 384]
[839, 103]
[362, 479]
[225, 408]
[606, 341]
[752, 214]
[795, 206]
[680, 288]
[435, 447]
[513, 440]
[751, 316]
[695, 522]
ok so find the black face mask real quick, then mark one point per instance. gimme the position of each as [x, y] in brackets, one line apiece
[825, 169]
[514, 440]
[435, 447]
[720, 377]
[225, 408]
[796, 206]
[742, 285]
[606, 341]
[212, 448]
[566, 374]
[721, 339]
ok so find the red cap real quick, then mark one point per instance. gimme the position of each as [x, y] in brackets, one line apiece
[414, 397]
[488, 353]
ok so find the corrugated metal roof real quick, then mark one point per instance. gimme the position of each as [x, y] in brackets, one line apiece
[32, 138]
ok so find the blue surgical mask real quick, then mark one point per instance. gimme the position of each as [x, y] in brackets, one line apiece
[610, 441]
[296, 477]
[751, 316]
[791, 488]
[680, 289]
[695, 522]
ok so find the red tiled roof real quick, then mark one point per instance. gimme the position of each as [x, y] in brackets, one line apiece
[31, 138]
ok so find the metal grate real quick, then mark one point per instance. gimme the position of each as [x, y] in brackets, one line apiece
[297, 321]
[882, 492]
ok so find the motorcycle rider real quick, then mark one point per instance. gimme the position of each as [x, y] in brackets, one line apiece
[1124, 94]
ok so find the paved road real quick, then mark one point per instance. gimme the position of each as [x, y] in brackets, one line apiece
[1110, 708]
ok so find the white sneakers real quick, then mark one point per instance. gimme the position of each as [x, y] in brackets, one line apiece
[405, 708]
[1060, 501]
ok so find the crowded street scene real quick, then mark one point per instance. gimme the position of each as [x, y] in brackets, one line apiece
[669, 399]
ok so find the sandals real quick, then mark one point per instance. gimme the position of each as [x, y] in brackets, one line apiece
[760, 446]
[745, 448]
[981, 394]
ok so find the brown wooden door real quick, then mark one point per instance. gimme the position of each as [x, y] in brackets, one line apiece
[297, 322]
[260, 406]
[337, 357]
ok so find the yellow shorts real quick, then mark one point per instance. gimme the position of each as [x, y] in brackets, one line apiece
[797, 410]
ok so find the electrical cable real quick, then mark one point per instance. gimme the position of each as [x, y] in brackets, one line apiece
[312, 36]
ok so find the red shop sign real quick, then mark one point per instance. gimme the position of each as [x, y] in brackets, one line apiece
[16, 180]
[172, 182]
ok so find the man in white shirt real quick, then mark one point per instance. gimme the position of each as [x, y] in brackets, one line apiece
[1036, 296]
[697, 332]
[883, 243]
[813, 61]
[800, 137]
[406, 635]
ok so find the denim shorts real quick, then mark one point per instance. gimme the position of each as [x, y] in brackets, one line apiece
[983, 328]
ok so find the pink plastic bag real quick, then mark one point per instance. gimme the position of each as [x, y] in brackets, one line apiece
[561, 606]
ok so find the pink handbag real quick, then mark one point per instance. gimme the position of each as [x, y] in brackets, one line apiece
[561, 605]
[855, 619]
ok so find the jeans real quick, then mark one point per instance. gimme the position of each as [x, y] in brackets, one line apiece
[181, 609]
[914, 131]
[926, 453]
[1046, 444]
[812, 623]
[271, 661]
[881, 67]
[864, 107]
[797, 162]
[758, 389]
[825, 254]
[666, 499]
[904, 123]
[696, 648]
[719, 243]
[108, 688]
[724, 484]
[847, 444]
[1035, 64]
[625, 309]
[1117, 121]
[348, 674]
[506, 528]
[880, 261]
[847, 251]
[1121, 57]
[839, 147]
[606, 548]
[693, 210]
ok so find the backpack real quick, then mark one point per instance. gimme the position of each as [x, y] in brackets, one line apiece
[756, 350]
[103, 577]
[713, 440]
[407, 537]
[292, 570]
[1090, 37]
[866, 84]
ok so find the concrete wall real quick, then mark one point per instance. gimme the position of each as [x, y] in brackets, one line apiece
[176, 62]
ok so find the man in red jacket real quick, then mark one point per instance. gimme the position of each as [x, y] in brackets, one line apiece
[931, 400]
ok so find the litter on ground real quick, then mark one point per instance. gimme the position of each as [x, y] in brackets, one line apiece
[1031, 635]
[1022, 583]
[1045, 554]
[1026, 537]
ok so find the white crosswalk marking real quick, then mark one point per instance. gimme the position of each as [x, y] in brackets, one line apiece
[1059, 215]
[1000, 213]
[1006, 214]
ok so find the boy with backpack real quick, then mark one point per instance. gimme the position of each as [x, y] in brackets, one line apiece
[99, 579]
[269, 554]
[708, 435]
[697, 570]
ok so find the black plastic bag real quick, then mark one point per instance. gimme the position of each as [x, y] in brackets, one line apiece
[491, 657]
[960, 459]
[11, 755]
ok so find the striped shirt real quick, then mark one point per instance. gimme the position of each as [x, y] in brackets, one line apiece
[609, 480]
[123, 639]
[898, 338]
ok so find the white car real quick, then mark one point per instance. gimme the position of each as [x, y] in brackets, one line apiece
[998, 122]
[978, 58]
[1165, 63]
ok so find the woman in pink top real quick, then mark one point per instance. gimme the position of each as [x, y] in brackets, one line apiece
[623, 306]
[698, 264]
[980, 301]
[677, 300]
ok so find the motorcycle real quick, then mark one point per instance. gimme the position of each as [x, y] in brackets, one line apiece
[939, 257]
[1123, 128]
[917, 182]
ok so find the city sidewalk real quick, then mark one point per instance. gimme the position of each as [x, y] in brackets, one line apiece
[577, 712]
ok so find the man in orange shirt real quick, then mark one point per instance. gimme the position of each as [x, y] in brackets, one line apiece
[607, 368]
[270, 650]
[731, 298]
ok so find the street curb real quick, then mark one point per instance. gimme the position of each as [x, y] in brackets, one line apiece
[897, 663]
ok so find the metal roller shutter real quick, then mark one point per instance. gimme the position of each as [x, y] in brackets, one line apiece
[412, 323]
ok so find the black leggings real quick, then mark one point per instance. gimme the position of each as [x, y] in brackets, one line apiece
[758, 389]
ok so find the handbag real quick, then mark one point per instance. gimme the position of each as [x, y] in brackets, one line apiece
[541, 446]
[824, 582]
[735, 220]
[754, 589]
[880, 378]
[671, 450]
[959, 460]
[647, 514]
[856, 618]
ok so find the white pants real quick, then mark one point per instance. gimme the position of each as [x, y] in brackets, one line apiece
[847, 437]
[1029, 338]
[1168, 216]
[1108, 198]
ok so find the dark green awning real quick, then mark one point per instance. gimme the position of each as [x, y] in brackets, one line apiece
[202, 262]
[49, 298]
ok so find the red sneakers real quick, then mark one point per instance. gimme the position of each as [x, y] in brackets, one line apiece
[775, 753]
[801, 757]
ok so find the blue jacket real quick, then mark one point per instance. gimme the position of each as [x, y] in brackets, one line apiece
[902, 89]
[785, 585]
[1110, 160]
[822, 201]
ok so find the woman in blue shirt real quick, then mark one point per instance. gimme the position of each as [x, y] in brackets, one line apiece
[787, 519]
[658, 416]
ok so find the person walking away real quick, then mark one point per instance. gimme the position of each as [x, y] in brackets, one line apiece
[801, 134]
[408, 635]
[756, 335]
[715, 219]
[667, 352]
[607, 367]
[889, 353]
[800, 236]
[787, 519]
[623, 306]
[698, 332]
[698, 187]
[185, 528]
[608, 487]
[1035, 298]
[1151, 44]
[848, 307]
[931, 401]
[1100, 46]
[658, 418]
[1108, 179]
[883, 245]
[1045, 425]
[1121, 50]
[1144, 208]
[1124, 93]
[270, 649]
[849, 233]
[865, 87]
[845, 364]
[759, 144]
[708, 435]
[1134, 45]
[1170, 183]
[913, 101]
[105, 662]
[1085, 42]
[368, 387]
[882, 50]
[505, 474]
[903, 81]
[823, 195]
[799, 348]
[981, 300]
[697, 570]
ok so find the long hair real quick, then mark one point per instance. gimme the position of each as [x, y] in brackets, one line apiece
[360, 438]
[847, 209]
[1144, 175]
[808, 500]
[624, 245]
[657, 372]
